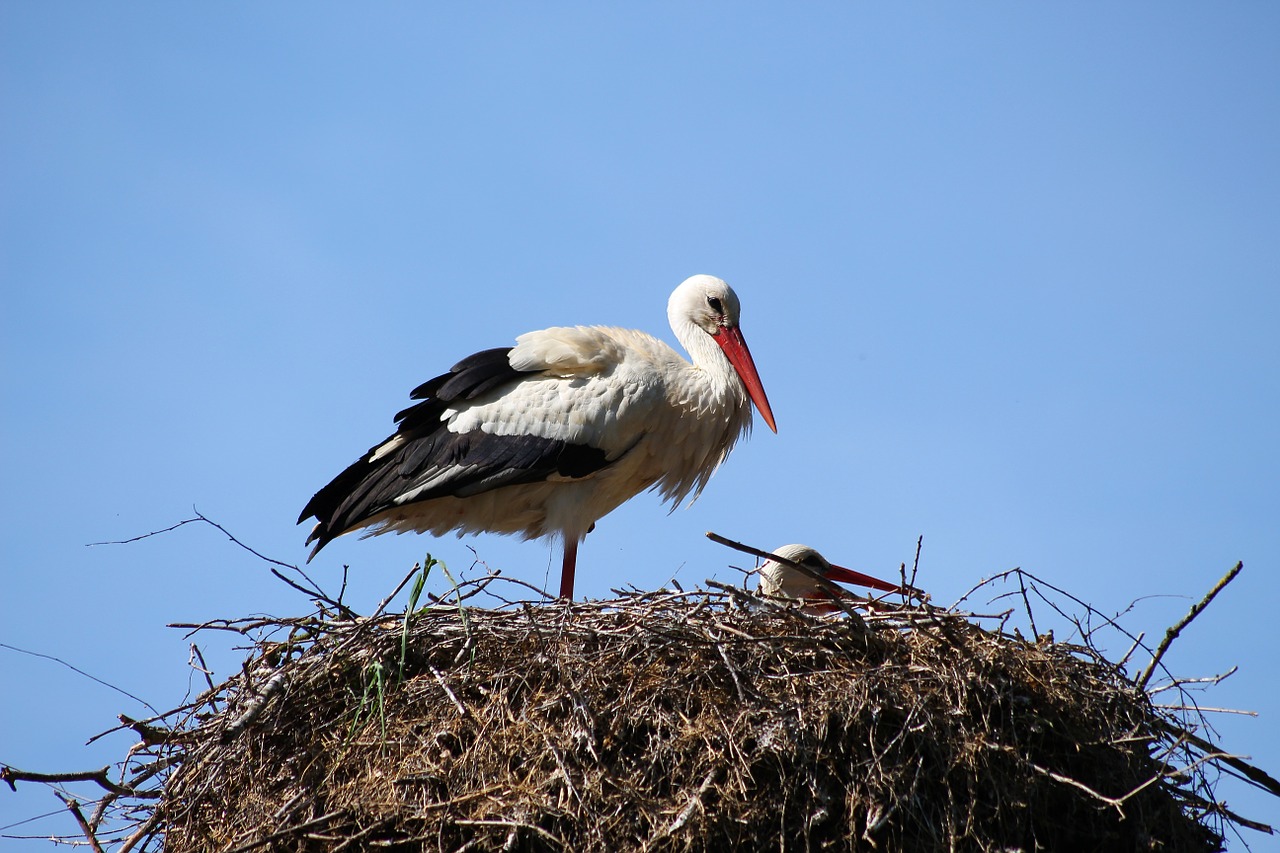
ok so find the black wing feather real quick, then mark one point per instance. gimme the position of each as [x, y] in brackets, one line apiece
[470, 377]
[467, 380]
[480, 461]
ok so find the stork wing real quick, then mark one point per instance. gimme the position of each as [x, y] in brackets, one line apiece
[427, 459]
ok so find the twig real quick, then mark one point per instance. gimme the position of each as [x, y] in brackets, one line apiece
[1116, 802]
[11, 775]
[1110, 622]
[1213, 807]
[200, 700]
[80, 672]
[1022, 587]
[740, 596]
[462, 709]
[1181, 682]
[1202, 709]
[145, 830]
[694, 802]
[464, 616]
[1172, 634]
[100, 811]
[204, 669]
[286, 832]
[915, 565]
[313, 591]
[382, 605]
[356, 839]
[170, 529]
[742, 694]
[151, 735]
[1258, 777]
[533, 587]
[512, 824]
[563, 767]
[255, 706]
[74, 808]
[1137, 641]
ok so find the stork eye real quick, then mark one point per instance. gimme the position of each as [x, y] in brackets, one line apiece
[714, 302]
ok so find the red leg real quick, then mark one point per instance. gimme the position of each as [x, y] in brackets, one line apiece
[568, 569]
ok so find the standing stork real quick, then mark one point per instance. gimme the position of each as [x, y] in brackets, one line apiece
[779, 580]
[546, 437]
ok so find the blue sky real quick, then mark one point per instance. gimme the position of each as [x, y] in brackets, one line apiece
[1010, 273]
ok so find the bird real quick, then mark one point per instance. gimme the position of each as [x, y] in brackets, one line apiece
[543, 438]
[780, 580]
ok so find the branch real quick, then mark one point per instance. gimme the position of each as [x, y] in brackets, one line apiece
[314, 591]
[11, 775]
[1179, 683]
[255, 706]
[695, 800]
[1172, 634]
[144, 831]
[204, 670]
[288, 831]
[513, 826]
[1089, 608]
[74, 808]
[1022, 587]
[1259, 778]
[1214, 807]
[915, 566]
[78, 671]
[150, 735]
[169, 529]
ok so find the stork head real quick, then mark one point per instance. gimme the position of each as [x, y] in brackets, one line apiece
[782, 581]
[707, 303]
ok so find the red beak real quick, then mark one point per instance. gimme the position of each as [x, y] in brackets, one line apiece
[843, 575]
[735, 348]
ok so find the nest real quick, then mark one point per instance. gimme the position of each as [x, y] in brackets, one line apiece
[677, 721]
[701, 721]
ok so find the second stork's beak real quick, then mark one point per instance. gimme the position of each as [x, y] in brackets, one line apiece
[839, 574]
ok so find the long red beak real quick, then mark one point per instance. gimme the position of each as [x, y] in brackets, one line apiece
[843, 575]
[735, 347]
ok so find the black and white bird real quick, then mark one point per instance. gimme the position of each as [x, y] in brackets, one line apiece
[545, 437]
[779, 580]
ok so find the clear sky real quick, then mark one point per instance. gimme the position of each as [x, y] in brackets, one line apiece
[1010, 272]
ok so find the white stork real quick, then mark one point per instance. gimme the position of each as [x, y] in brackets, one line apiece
[546, 437]
[779, 580]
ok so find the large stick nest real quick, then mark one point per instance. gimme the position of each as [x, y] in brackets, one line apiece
[700, 721]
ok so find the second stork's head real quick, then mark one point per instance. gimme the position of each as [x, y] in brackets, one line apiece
[779, 580]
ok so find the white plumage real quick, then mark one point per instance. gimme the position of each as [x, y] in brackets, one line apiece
[780, 580]
[546, 437]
